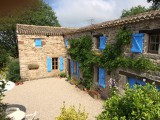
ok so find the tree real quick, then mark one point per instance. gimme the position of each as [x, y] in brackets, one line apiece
[134, 11]
[36, 13]
[155, 4]
[139, 103]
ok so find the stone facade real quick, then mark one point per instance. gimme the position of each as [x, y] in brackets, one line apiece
[122, 79]
[52, 46]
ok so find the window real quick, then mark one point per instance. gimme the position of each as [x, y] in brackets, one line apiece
[154, 43]
[38, 42]
[97, 42]
[54, 63]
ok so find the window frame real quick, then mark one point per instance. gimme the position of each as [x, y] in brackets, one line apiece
[154, 43]
[55, 63]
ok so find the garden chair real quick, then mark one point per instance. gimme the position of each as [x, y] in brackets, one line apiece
[31, 116]
[11, 109]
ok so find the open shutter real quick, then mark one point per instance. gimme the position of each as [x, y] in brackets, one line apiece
[72, 66]
[102, 42]
[66, 42]
[102, 77]
[49, 64]
[77, 71]
[61, 63]
[38, 43]
[137, 43]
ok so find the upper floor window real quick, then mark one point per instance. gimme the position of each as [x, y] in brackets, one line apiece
[38, 42]
[154, 43]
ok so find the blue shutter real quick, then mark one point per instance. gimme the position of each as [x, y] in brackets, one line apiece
[158, 87]
[102, 77]
[137, 43]
[72, 66]
[134, 81]
[77, 71]
[102, 42]
[49, 64]
[61, 63]
[38, 43]
[66, 42]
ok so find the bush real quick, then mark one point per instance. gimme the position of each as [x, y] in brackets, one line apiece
[2, 105]
[13, 71]
[72, 114]
[139, 103]
[4, 58]
[62, 74]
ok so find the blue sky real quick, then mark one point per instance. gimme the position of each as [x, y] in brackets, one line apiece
[78, 13]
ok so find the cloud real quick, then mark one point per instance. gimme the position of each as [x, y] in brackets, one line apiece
[78, 13]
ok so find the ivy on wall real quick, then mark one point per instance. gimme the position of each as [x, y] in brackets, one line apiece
[111, 58]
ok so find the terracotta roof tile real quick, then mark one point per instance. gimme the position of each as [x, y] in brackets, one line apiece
[42, 30]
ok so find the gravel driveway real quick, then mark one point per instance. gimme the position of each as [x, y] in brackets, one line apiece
[46, 96]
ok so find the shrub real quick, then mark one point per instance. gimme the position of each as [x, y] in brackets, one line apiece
[4, 58]
[72, 114]
[2, 105]
[33, 66]
[139, 103]
[62, 74]
[13, 71]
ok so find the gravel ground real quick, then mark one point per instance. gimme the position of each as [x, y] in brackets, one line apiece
[46, 96]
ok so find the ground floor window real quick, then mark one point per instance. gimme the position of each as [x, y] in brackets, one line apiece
[55, 63]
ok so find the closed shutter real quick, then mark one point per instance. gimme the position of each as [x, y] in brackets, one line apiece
[38, 43]
[102, 77]
[102, 42]
[134, 81]
[137, 43]
[49, 64]
[66, 42]
[72, 67]
[77, 71]
[61, 63]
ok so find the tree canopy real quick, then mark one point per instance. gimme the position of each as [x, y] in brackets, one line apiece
[134, 11]
[155, 4]
[36, 12]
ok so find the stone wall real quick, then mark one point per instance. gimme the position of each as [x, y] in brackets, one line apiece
[52, 46]
[111, 32]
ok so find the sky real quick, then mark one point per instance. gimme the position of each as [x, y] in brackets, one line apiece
[79, 13]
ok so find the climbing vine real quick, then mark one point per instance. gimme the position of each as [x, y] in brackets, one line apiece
[81, 51]
[111, 58]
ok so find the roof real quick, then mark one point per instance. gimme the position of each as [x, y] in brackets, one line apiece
[42, 30]
[49, 30]
[126, 20]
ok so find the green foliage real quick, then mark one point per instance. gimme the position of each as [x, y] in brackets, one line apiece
[81, 51]
[155, 4]
[13, 71]
[72, 114]
[134, 11]
[62, 74]
[110, 57]
[37, 13]
[139, 103]
[2, 105]
[4, 58]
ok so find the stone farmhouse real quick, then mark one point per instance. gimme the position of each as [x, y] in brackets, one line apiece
[46, 47]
